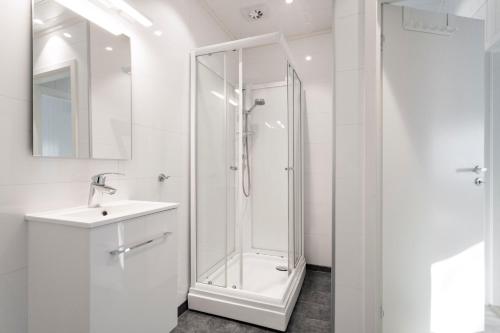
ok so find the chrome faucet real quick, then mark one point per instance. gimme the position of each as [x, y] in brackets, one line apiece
[98, 187]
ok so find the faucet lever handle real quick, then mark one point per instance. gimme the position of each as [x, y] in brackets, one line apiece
[100, 179]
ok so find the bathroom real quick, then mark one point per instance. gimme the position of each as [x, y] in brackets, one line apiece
[145, 139]
[249, 166]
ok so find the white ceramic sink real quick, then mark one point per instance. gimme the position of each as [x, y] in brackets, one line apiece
[85, 217]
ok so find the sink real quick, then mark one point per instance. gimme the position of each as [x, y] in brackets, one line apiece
[113, 212]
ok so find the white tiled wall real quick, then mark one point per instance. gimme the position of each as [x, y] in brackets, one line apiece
[160, 131]
[349, 226]
[317, 80]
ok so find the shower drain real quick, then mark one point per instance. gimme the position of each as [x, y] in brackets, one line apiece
[282, 268]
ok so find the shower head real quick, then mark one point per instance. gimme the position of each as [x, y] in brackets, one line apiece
[257, 102]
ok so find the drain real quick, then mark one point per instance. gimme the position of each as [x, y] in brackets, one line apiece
[281, 268]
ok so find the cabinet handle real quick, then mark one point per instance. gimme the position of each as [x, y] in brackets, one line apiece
[128, 248]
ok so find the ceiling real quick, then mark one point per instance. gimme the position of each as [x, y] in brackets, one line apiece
[465, 8]
[302, 17]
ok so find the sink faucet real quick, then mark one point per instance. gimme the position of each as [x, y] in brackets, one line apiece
[98, 187]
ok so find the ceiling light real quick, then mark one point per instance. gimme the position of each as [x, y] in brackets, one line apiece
[132, 12]
[38, 21]
[94, 14]
[309, 58]
[67, 35]
[288, 1]
[158, 33]
[108, 48]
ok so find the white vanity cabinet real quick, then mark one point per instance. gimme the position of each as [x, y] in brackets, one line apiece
[103, 270]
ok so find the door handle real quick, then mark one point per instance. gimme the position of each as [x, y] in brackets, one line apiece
[477, 169]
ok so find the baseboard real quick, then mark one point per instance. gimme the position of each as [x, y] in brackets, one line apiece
[182, 308]
[318, 268]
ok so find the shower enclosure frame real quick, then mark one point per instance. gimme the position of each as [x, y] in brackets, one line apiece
[237, 303]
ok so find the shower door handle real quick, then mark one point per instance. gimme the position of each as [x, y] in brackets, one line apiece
[233, 168]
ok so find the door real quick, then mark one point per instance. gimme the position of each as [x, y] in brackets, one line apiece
[433, 198]
[216, 167]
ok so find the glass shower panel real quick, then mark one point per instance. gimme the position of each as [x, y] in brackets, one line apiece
[211, 170]
[291, 160]
[234, 260]
[297, 166]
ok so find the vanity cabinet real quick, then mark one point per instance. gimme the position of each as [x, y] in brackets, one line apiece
[93, 278]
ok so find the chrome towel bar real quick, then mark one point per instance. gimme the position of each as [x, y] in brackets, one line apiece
[128, 248]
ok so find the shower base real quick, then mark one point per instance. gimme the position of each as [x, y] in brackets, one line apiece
[266, 297]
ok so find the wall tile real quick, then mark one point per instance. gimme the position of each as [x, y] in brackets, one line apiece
[347, 43]
[349, 256]
[318, 128]
[348, 206]
[15, 64]
[13, 302]
[348, 97]
[348, 151]
[345, 8]
[348, 310]
[318, 249]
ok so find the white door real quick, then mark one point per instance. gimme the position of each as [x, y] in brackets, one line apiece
[433, 137]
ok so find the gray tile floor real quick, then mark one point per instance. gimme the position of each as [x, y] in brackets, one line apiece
[492, 320]
[311, 314]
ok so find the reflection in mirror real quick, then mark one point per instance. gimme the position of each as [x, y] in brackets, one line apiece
[54, 100]
[81, 87]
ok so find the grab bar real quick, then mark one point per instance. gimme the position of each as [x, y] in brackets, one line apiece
[125, 249]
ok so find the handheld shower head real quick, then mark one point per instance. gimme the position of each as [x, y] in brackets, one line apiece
[257, 102]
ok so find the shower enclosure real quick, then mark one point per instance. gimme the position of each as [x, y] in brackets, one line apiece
[247, 259]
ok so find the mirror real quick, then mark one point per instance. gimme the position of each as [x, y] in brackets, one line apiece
[82, 98]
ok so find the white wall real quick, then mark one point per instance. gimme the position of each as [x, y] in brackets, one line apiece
[160, 132]
[350, 122]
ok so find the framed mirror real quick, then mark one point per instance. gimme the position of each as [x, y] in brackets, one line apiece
[82, 98]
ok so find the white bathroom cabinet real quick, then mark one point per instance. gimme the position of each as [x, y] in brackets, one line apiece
[77, 285]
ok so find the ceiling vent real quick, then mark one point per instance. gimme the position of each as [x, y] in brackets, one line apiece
[255, 13]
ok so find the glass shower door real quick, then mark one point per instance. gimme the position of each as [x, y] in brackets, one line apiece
[290, 169]
[297, 167]
[215, 168]
[294, 88]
